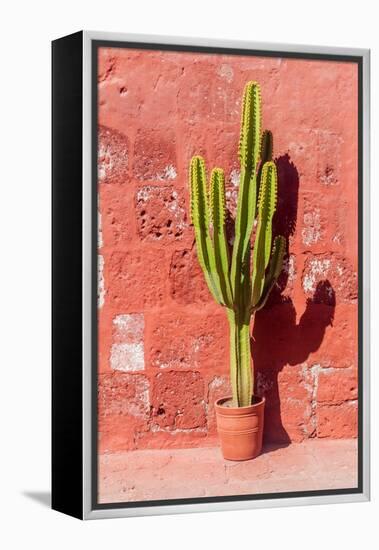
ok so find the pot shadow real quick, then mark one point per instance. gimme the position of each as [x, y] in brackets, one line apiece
[277, 339]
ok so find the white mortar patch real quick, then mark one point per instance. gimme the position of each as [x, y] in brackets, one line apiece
[310, 381]
[106, 161]
[100, 241]
[289, 268]
[217, 382]
[231, 193]
[168, 173]
[109, 160]
[100, 282]
[128, 357]
[139, 405]
[235, 176]
[226, 72]
[129, 327]
[99, 225]
[311, 233]
[201, 342]
[316, 267]
[127, 353]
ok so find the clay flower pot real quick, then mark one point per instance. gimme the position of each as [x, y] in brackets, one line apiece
[240, 428]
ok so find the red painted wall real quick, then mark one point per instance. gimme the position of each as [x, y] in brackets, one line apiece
[163, 343]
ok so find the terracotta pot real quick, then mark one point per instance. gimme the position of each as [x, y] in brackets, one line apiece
[240, 428]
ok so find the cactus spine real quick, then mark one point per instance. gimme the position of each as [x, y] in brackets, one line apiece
[237, 282]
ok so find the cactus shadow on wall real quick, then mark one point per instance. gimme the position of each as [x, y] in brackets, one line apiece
[277, 339]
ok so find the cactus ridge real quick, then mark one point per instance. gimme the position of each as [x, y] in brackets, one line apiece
[268, 191]
[249, 142]
[217, 202]
[200, 220]
[221, 249]
[199, 210]
[249, 148]
[263, 239]
[242, 282]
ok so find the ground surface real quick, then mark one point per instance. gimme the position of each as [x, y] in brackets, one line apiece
[164, 474]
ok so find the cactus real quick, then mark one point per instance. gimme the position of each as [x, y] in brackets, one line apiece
[237, 281]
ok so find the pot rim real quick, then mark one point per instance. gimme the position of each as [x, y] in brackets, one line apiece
[245, 408]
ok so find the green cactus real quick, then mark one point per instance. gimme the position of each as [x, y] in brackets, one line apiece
[237, 282]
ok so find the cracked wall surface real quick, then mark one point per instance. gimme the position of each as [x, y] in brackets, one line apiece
[163, 354]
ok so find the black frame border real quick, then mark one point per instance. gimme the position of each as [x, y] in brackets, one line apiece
[67, 258]
[358, 59]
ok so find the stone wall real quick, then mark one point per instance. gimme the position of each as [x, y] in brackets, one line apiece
[163, 343]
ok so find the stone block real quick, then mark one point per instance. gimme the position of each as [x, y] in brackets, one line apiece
[155, 155]
[160, 213]
[178, 401]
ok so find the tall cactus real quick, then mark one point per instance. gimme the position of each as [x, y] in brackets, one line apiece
[237, 282]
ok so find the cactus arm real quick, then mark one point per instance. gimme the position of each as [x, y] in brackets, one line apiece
[249, 149]
[250, 134]
[275, 268]
[200, 220]
[218, 216]
[267, 144]
[262, 245]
